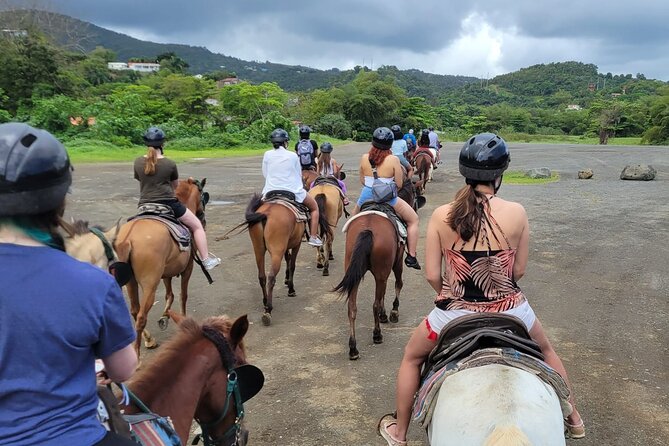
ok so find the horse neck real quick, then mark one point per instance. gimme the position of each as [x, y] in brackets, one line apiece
[189, 196]
[87, 248]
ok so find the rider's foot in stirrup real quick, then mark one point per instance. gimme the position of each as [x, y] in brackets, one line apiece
[411, 262]
[314, 240]
[211, 262]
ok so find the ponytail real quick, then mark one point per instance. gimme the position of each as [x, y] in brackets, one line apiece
[151, 160]
[467, 211]
[324, 161]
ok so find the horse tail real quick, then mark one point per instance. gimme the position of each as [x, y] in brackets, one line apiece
[359, 263]
[123, 250]
[323, 225]
[507, 435]
[253, 217]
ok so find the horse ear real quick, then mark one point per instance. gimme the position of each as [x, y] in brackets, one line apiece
[238, 330]
[112, 233]
[67, 227]
[203, 182]
[176, 317]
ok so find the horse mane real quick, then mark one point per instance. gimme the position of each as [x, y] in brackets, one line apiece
[152, 378]
[78, 227]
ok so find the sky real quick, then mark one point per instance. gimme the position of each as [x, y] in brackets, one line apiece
[480, 38]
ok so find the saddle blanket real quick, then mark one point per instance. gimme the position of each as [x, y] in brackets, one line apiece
[179, 232]
[301, 211]
[331, 181]
[399, 226]
[427, 395]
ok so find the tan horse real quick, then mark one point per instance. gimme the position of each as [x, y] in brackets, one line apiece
[153, 254]
[331, 205]
[91, 245]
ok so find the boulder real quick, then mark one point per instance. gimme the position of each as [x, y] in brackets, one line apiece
[638, 172]
[585, 174]
[540, 172]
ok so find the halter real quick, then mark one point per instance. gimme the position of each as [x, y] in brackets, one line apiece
[232, 391]
[109, 250]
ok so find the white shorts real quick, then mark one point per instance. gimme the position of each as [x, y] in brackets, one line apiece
[438, 318]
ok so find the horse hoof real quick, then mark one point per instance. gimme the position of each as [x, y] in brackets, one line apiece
[383, 318]
[330, 257]
[151, 344]
[394, 316]
[378, 340]
[163, 322]
[353, 356]
[286, 282]
[292, 293]
[319, 265]
[266, 319]
[326, 272]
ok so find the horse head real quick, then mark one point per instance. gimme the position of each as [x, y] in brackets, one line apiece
[338, 173]
[191, 193]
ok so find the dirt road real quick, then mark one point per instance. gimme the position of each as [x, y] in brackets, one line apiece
[598, 277]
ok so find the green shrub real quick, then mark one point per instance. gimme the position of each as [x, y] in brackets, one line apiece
[260, 130]
[334, 125]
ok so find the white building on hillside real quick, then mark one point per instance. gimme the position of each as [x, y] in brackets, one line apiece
[117, 66]
[144, 67]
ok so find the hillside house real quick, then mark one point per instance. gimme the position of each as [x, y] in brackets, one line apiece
[227, 81]
[144, 67]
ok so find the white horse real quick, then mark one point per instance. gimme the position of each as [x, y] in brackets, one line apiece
[431, 169]
[496, 405]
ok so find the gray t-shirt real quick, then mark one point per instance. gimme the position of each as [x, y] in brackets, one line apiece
[156, 187]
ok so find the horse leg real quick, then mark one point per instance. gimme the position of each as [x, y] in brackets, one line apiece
[149, 296]
[353, 352]
[286, 257]
[397, 269]
[275, 266]
[379, 307]
[290, 266]
[169, 300]
[133, 297]
[185, 278]
[320, 254]
[259, 249]
[327, 252]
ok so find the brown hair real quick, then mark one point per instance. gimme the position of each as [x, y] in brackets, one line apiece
[324, 161]
[40, 227]
[151, 160]
[467, 211]
[376, 156]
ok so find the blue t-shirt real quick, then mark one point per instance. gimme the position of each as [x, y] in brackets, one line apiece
[57, 315]
[409, 136]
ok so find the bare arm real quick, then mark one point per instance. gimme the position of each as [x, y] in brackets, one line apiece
[433, 254]
[399, 174]
[120, 365]
[523, 250]
[362, 172]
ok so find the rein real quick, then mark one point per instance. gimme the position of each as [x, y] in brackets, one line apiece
[109, 250]
[232, 391]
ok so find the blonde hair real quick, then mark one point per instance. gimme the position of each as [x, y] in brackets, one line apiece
[324, 161]
[151, 160]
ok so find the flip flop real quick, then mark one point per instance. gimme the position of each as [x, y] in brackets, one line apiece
[384, 423]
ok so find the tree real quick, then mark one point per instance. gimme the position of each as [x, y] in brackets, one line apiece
[172, 63]
[658, 133]
[246, 103]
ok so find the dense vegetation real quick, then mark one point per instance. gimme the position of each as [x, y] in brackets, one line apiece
[54, 87]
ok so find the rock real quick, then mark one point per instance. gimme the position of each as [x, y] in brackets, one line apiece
[541, 172]
[638, 172]
[585, 174]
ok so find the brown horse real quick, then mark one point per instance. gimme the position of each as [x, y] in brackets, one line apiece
[273, 228]
[188, 378]
[308, 177]
[423, 164]
[153, 254]
[371, 245]
[331, 205]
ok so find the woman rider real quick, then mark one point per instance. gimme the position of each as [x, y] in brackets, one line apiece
[158, 178]
[282, 171]
[424, 147]
[58, 314]
[388, 170]
[326, 166]
[477, 225]
[399, 149]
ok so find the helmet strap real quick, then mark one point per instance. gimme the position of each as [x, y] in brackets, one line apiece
[498, 183]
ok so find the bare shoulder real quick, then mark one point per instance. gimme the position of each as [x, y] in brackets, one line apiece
[442, 212]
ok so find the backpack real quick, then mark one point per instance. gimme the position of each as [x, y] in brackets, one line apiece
[306, 152]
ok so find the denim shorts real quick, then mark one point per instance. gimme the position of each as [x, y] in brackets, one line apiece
[366, 195]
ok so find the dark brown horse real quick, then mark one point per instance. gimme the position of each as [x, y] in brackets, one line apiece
[153, 254]
[273, 228]
[423, 164]
[371, 245]
[188, 378]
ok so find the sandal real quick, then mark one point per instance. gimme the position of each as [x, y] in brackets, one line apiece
[384, 423]
[574, 431]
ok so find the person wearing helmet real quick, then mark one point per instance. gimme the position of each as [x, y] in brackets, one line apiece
[435, 143]
[282, 171]
[410, 138]
[58, 314]
[327, 167]
[477, 225]
[424, 146]
[388, 169]
[306, 149]
[158, 178]
[400, 149]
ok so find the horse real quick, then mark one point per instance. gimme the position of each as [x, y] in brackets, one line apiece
[92, 245]
[153, 254]
[423, 168]
[274, 228]
[331, 205]
[372, 245]
[411, 193]
[496, 405]
[188, 378]
[308, 177]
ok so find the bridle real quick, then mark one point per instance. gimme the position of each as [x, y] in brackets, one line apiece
[109, 249]
[204, 199]
[232, 392]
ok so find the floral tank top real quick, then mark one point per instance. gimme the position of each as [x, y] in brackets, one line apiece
[482, 280]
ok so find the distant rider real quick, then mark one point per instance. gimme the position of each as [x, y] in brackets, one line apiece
[400, 150]
[410, 138]
[435, 143]
[306, 149]
[424, 147]
[327, 167]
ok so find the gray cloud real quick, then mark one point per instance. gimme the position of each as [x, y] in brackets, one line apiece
[431, 35]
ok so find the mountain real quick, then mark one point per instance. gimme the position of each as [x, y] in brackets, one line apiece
[84, 36]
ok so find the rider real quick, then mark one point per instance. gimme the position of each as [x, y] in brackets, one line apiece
[281, 170]
[306, 149]
[477, 225]
[410, 138]
[435, 144]
[424, 146]
[389, 170]
[400, 150]
[58, 314]
[158, 178]
[326, 167]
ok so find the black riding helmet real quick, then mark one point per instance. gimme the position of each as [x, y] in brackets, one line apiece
[305, 131]
[35, 171]
[326, 147]
[425, 132]
[383, 138]
[279, 136]
[154, 137]
[397, 132]
[484, 157]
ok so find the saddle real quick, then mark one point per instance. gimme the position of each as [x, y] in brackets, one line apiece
[164, 214]
[287, 199]
[384, 210]
[466, 334]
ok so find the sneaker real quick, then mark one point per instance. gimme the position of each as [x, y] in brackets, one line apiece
[411, 262]
[314, 240]
[211, 262]
[439, 162]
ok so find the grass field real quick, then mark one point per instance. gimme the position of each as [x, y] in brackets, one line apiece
[519, 177]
